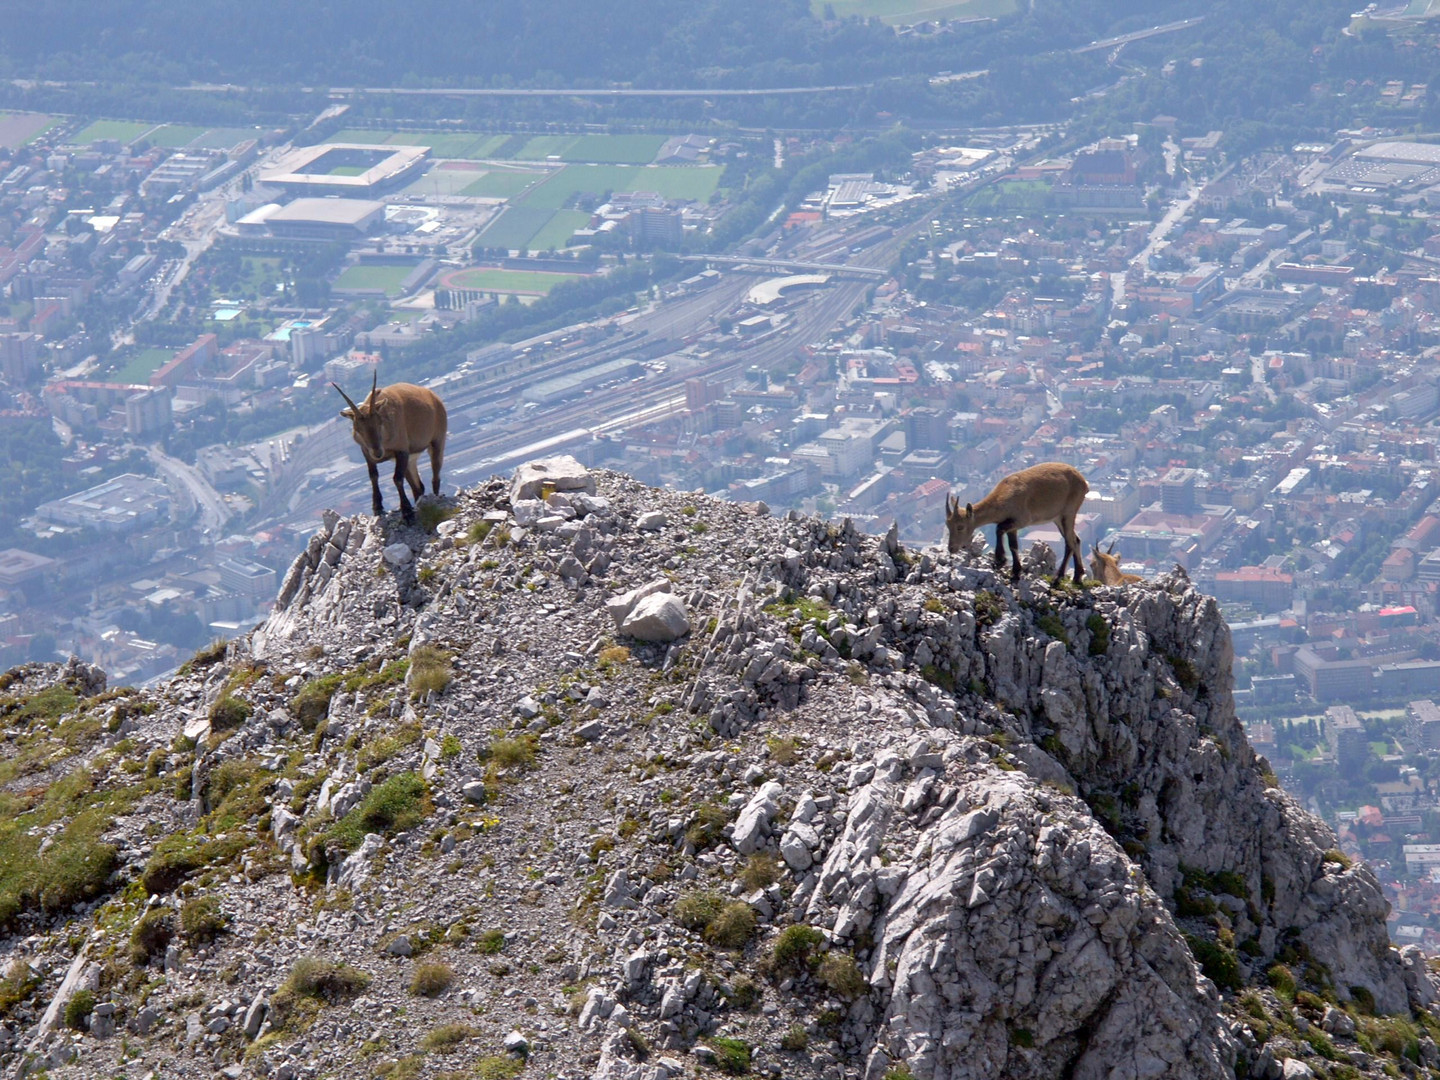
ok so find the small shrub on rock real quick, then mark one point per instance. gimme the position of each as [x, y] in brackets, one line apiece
[707, 827]
[429, 671]
[392, 807]
[150, 937]
[491, 942]
[229, 712]
[498, 1067]
[732, 1056]
[839, 972]
[431, 979]
[732, 926]
[694, 910]
[797, 1038]
[312, 704]
[201, 920]
[78, 1009]
[513, 753]
[760, 872]
[795, 946]
[1217, 962]
[1099, 634]
[315, 981]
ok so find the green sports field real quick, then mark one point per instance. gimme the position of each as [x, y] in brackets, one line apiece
[556, 232]
[225, 138]
[501, 183]
[506, 281]
[175, 135]
[138, 369]
[696, 183]
[615, 149]
[122, 130]
[514, 227]
[387, 278]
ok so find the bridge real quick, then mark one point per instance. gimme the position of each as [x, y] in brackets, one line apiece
[788, 266]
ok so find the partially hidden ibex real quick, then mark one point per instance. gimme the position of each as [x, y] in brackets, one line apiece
[398, 422]
[1049, 492]
[1105, 567]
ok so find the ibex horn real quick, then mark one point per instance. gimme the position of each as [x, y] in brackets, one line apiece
[374, 381]
[1112, 547]
[353, 406]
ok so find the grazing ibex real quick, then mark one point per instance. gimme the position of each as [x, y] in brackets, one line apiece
[398, 422]
[1049, 492]
[1105, 567]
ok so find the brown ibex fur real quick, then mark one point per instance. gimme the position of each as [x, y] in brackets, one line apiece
[1049, 492]
[1105, 567]
[398, 422]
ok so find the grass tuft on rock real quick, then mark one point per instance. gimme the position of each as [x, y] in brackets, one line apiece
[430, 671]
[78, 1009]
[732, 1056]
[448, 1036]
[201, 920]
[795, 946]
[315, 981]
[152, 934]
[312, 704]
[398, 804]
[431, 979]
[840, 974]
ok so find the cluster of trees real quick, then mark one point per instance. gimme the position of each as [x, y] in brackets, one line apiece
[539, 42]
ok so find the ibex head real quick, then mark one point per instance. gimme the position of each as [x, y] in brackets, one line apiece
[370, 420]
[1105, 565]
[959, 524]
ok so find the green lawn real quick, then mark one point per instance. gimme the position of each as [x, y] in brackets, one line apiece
[487, 146]
[542, 146]
[123, 130]
[507, 281]
[514, 227]
[615, 149]
[692, 182]
[912, 11]
[349, 170]
[442, 144]
[176, 135]
[225, 138]
[387, 278]
[556, 232]
[671, 181]
[441, 182]
[140, 367]
[500, 183]
[360, 135]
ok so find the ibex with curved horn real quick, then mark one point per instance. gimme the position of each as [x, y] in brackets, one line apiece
[1049, 492]
[1105, 567]
[398, 422]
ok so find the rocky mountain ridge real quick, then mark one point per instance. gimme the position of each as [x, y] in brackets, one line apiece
[588, 779]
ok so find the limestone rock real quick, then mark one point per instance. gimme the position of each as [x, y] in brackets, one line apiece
[562, 473]
[660, 617]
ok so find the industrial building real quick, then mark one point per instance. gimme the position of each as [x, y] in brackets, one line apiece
[553, 390]
[321, 220]
[124, 504]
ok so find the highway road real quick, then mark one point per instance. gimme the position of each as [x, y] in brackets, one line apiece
[192, 486]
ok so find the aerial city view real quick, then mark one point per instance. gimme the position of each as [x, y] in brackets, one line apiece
[867, 540]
